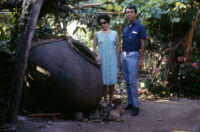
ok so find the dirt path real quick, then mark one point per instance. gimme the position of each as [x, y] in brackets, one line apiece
[175, 115]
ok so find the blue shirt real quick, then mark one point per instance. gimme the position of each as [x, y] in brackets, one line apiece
[132, 36]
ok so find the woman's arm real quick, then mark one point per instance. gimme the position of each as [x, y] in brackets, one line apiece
[98, 58]
[118, 51]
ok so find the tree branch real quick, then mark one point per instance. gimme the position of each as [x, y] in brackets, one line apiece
[22, 53]
[190, 37]
[89, 5]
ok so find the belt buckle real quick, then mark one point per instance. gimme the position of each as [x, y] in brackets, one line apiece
[126, 52]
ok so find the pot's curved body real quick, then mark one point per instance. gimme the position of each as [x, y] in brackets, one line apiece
[64, 77]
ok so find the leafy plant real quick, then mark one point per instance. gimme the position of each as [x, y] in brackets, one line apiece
[158, 88]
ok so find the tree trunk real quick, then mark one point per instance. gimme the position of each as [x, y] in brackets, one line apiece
[190, 37]
[22, 53]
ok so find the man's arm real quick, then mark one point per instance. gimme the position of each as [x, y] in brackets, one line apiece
[141, 60]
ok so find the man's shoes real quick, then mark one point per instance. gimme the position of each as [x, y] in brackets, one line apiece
[135, 111]
[128, 107]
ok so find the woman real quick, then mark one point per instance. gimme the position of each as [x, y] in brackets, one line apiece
[108, 54]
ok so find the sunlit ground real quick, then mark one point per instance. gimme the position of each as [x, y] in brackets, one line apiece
[181, 131]
[165, 100]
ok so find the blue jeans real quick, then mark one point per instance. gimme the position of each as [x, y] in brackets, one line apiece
[130, 70]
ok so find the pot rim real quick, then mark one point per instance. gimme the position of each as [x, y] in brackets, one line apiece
[73, 44]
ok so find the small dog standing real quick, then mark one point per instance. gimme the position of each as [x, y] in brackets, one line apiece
[117, 111]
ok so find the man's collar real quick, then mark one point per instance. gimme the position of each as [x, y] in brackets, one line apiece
[134, 23]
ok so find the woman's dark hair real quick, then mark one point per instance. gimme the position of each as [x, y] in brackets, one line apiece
[131, 7]
[103, 16]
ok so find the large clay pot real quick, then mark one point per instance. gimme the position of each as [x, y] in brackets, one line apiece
[63, 77]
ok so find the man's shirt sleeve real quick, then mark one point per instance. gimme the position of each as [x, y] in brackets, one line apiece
[142, 32]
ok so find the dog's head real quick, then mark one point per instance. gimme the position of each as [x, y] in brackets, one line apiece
[117, 101]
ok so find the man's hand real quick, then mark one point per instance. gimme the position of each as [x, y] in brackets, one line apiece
[140, 63]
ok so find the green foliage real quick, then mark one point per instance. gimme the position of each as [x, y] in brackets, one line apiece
[158, 88]
[4, 31]
[190, 79]
[166, 21]
[7, 30]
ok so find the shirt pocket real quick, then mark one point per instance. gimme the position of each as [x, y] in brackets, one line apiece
[134, 35]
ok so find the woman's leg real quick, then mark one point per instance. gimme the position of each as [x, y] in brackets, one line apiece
[111, 91]
[105, 93]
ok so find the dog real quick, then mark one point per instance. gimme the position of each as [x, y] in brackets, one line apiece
[117, 111]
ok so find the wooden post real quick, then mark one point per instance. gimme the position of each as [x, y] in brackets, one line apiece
[22, 53]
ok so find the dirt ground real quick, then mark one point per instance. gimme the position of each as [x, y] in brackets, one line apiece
[161, 115]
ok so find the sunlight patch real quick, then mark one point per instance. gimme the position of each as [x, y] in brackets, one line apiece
[42, 71]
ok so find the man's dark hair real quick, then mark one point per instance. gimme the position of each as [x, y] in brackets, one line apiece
[103, 16]
[131, 7]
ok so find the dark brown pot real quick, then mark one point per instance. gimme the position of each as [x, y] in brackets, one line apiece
[63, 77]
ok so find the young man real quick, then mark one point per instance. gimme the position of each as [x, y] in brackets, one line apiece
[134, 35]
